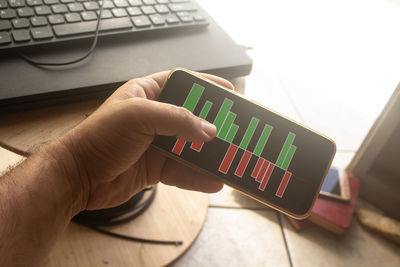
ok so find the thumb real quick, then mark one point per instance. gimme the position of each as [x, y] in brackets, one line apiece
[166, 119]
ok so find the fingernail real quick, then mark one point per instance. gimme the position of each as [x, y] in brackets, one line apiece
[208, 128]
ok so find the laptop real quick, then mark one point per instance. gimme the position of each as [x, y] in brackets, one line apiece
[376, 162]
[116, 59]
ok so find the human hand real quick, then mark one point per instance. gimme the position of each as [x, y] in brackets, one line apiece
[111, 149]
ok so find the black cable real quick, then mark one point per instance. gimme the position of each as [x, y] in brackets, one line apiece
[117, 215]
[43, 63]
[137, 239]
[95, 220]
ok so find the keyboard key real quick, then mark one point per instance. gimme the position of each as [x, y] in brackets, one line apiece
[106, 14]
[59, 9]
[148, 10]
[50, 2]
[72, 17]
[41, 33]
[91, 5]
[5, 38]
[3, 4]
[33, 2]
[89, 15]
[198, 18]
[25, 12]
[172, 19]
[134, 11]
[90, 26]
[141, 21]
[108, 4]
[161, 9]
[182, 7]
[42, 10]
[56, 19]
[119, 12]
[149, 2]
[7, 14]
[16, 3]
[20, 23]
[38, 21]
[183, 13]
[135, 2]
[4, 25]
[63, 18]
[121, 3]
[21, 35]
[157, 20]
[75, 7]
[185, 17]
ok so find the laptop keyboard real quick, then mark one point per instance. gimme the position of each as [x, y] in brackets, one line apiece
[34, 22]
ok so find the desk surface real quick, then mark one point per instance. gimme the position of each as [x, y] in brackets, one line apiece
[343, 55]
[24, 132]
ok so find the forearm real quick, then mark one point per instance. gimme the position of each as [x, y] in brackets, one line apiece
[37, 200]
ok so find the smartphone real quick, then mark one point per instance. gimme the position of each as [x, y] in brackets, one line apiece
[257, 151]
[336, 185]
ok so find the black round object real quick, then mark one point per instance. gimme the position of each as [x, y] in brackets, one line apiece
[117, 215]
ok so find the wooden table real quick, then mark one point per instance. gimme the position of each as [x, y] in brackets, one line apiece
[175, 214]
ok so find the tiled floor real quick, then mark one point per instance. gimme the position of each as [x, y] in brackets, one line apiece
[358, 247]
[238, 237]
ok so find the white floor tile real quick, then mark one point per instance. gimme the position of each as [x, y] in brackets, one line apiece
[232, 237]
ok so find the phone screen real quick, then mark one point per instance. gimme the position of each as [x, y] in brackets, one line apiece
[263, 154]
[332, 182]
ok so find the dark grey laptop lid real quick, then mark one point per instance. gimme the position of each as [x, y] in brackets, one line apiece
[117, 60]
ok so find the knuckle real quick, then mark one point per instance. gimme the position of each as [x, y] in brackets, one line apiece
[135, 106]
[135, 102]
[132, 81]
[184, 113]
[145, 86]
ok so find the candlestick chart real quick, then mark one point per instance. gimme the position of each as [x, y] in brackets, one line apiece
[261, 169]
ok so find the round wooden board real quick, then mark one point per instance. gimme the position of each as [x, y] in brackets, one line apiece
[175, 214]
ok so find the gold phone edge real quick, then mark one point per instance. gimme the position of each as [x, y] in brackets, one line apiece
[288, 213]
